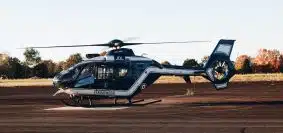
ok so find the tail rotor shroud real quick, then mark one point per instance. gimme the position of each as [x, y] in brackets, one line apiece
[219, 68]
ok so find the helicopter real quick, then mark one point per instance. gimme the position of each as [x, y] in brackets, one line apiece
[122, 74]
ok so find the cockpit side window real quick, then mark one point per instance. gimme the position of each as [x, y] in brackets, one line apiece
[86, 71]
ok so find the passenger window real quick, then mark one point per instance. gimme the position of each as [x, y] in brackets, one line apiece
[104, 72]
[122, 72]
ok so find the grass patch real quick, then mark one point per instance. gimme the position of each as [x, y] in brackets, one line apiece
[235, 78]
[25, 82]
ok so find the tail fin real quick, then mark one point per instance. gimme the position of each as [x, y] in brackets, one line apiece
[219, 68]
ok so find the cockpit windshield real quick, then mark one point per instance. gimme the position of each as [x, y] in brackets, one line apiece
[74, 71]
[73, 66]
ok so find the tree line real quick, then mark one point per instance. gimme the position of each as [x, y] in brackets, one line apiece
[33, 66]
[266, 61]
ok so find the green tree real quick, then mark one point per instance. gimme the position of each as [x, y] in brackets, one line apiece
[51, 66]
[15, 68]
[27, 71]
[40, 70]
[4, 67]
[32, 57]
[60, 66]
[190, 63]
[11, 67]
[73, 59]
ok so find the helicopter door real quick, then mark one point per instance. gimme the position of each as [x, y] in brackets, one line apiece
[103, 74]
[123, 79]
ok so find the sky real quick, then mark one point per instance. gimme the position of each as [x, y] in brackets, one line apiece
[253, 24]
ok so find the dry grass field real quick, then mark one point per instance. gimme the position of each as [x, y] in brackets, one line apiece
[236, 78]
[25, 82]
[163, 79]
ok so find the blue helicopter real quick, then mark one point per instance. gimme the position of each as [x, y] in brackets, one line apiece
[122, 74]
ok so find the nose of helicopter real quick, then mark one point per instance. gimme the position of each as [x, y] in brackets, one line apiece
[56, 82]
[62, 79]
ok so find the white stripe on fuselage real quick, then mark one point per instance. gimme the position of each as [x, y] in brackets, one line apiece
[149, 70]
[134, 87]
[136, 58]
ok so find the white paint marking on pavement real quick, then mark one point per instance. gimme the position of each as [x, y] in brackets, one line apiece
[83, 108]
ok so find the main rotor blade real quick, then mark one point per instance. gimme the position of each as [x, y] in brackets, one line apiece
[106, 44]
[164, 42]
[110, 45]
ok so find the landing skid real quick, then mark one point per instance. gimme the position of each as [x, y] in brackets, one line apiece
[140, 102]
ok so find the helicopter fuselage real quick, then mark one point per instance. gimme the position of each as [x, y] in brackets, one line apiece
[114, 76]
[122, 74]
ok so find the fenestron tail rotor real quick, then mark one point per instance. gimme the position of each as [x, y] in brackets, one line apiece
[116, 43]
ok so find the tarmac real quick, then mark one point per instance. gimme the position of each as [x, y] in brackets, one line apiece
[245, 107]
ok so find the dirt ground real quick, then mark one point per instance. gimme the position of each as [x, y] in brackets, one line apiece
[250, 107]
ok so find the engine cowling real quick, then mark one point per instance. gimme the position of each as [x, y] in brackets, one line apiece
[92, 55]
